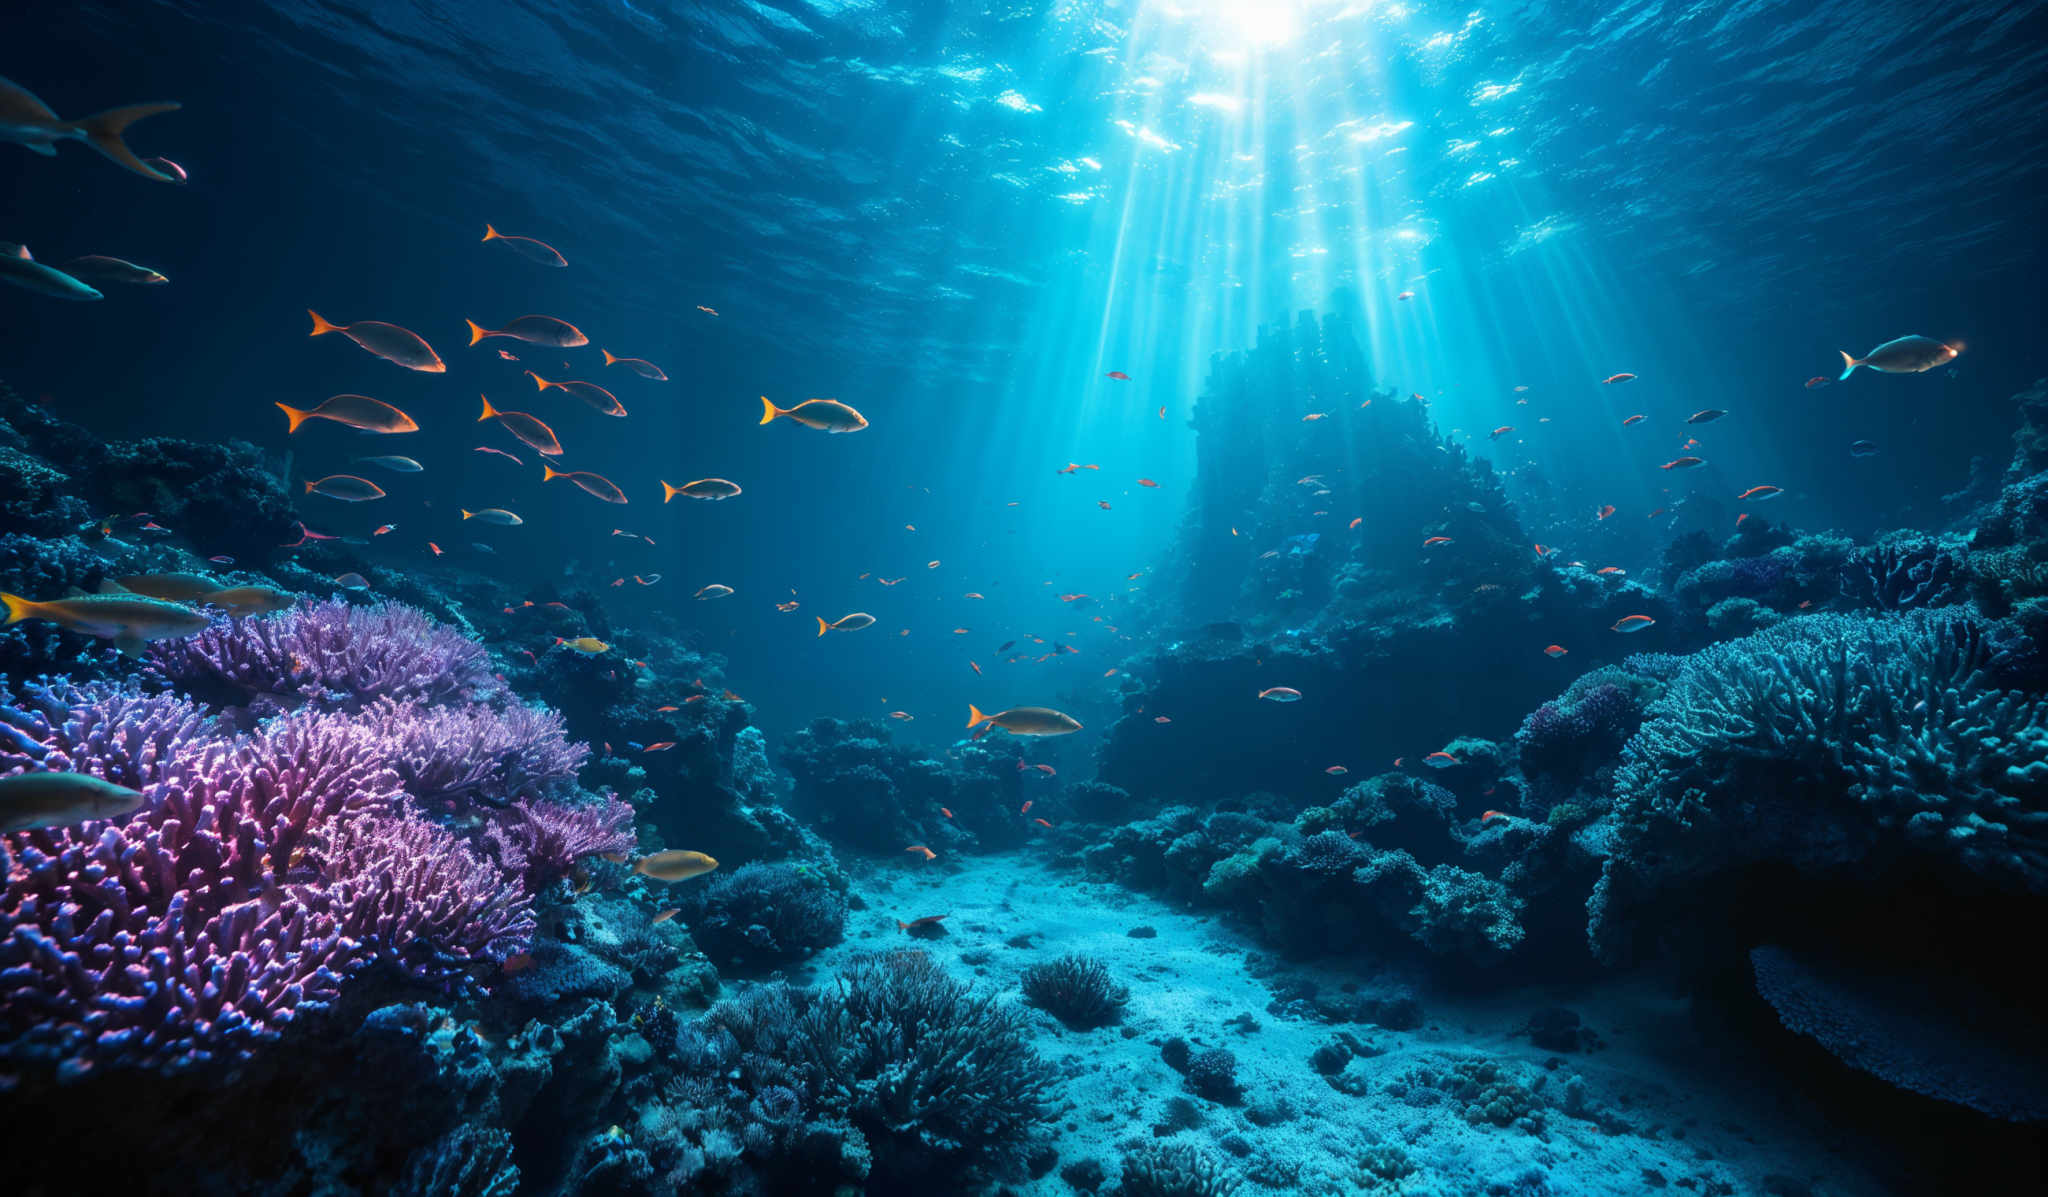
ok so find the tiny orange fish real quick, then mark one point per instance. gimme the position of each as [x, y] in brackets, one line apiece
[1636, 419]
[1147, 482]
[1026, 808]
[1555, 651]
[663, 746]
[662, 710]
[1043, 823]
[945, 812]
[1161, 719]
[1489, 816]
[915, 849]
[1604, 512]
[1611, 379]
[930, 920]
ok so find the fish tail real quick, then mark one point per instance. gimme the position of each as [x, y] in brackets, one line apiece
[321, 324]
[769, 411]
[1849, 365]
[608, 358]
[668, 492]
[547, 472]
[310, 486]
[476, 331]
[294, 416]
[539, 383]
[18, 608]
[489, 411]
[822, 625]
[974, 716]
[102, 131]
[491, 234]
[470, 514]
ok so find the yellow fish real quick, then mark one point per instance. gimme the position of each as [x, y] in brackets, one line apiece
[588, 645]
[1026, 721]
[825, 415]
[674, 865]
[129, 620]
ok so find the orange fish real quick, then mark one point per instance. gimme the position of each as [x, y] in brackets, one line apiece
[1606, 511]
[1658, 512]
[594, 396]
[1043, 823]
[1555, 651]
[1632, 623]
[531, 431]
[534, 330]
[1336, 770]
[1682, 463]
[1102, 503]
[507, 355]
[1614, 378]
[1119, 375]
[930, 920]
[638, 365]
[1026, 808]
[528, 248]
[707, 311]
[436, 548]
[915, 849]
[355, 411]
[1632, 420]
[1161, 719]
[945, 812]
[595, 485]
[518, 962]
[976, 668]
[1109, 673]
[666, 915]
[662, 710]
[1610, 569]
[1760, 493]
[1740, 518]
[1048, 770]
[1489, 816]
[663, 746]
[400, 347]
[1147, 482]
[1357, 520]
[1436, 540]
[1500, 432]
[1314, 416]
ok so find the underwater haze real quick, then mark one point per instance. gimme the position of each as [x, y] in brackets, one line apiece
[1148, 597]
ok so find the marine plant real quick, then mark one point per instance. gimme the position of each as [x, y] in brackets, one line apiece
[1078, 990]
[1173, 1169]
[762, 914]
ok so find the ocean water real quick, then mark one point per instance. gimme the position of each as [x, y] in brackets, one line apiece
[1533, 781]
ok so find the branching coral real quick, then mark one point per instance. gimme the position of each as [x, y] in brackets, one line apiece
[1173, 1170]
[479, 753]
[1825, 742]
[334, 655]
[1078, 990]
[1904, 572]
[542, 841]
[420, 897]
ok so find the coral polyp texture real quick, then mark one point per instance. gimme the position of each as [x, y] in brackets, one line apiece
[1827, 743]
[265, 868]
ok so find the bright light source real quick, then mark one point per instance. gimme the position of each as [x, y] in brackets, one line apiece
[1260, 22]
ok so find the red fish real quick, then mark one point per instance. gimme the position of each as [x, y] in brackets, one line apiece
[1043, 823]
[1026, 808]
[1500, 432]
[1682, 463]
[1632, 623]
[1147, 482]
[1760, 493]
[1817, 380]
[1436, 540]
[1605, 511]
[1611, 379]
[1637, 419]
[400, 347]
[1555, 651]
[1119, 375]
[663, 746]
[507, 355]
[1490, 816]
[914, 925]
[916, 849]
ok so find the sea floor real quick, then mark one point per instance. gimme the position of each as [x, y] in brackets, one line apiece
[1652, 1108]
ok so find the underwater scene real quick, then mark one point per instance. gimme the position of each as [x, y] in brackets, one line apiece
[1043, 598]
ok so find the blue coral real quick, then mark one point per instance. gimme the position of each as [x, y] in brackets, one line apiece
[763, 914]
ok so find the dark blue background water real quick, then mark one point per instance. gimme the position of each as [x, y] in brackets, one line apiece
[958, 218]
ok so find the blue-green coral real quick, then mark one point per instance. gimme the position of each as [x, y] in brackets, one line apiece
[1830, 741]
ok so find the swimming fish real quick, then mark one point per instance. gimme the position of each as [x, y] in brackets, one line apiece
[663, 916]
[170, 588]
[249, 600]
[595, 485]
[825, 415]
[589, 646]
[1500, 432]
[674, 865]
[1119, 375]
[1682, 463]
[19, 267]
[1761, 493]
[32, 800]
[128, 620]
[352, 581]
[715, 590]
[1705, 415]
[1280, 694]
[1434, 540]
[1147, 482]
[27, 121]
[354, 411]
[1632, 623]
[1863, 448]
[593, 395]
[493, 515]
[397, 465]
[1614, 378]
[528, 428]
[1404, 296]
[1604, 512]
[925, 925]
[638, 365]
[921, 850]
[1026, 721]
[346, 487]
[1818, 380]
[176, 172]
[1905, 355]
[399, 346]
[1633, 420]
[1440, 760]
[534, 330]
[528, 248]
[846, 623]
[1336, 770]
[711, 489]
[99, 268]
[1555, 651]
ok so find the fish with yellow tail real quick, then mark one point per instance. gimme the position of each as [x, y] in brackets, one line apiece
[638, 365]
[1026, 721]
[32, 800]
[708, 489]
[18, 266]
[824, 415]
[674, 865]
[846, 623]
[129, 620]
[1905, 355]
[27, 121]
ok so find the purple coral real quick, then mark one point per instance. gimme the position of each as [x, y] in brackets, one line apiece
[476, 752]
[418, 896]
[334, 655]
[542, 841]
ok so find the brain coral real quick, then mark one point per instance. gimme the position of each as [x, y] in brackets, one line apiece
[1831, 741]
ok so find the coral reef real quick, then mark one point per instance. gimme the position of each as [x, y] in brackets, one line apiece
[764, 914]
[1078, 990]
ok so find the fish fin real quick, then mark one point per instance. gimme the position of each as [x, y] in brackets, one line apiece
[18, 608]
[110, 586]
[547, 472]
[1849, 365]
[539, 383]
[489, 411]
[974, 716]
[769, 411]
[467, 515]
[102, 131]
[128, 645]
[822, 625]
[309, 487]
[476, 331]
[608, 358]
[294, 416]
[491, 234]
[321, 324]
[668, 492]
